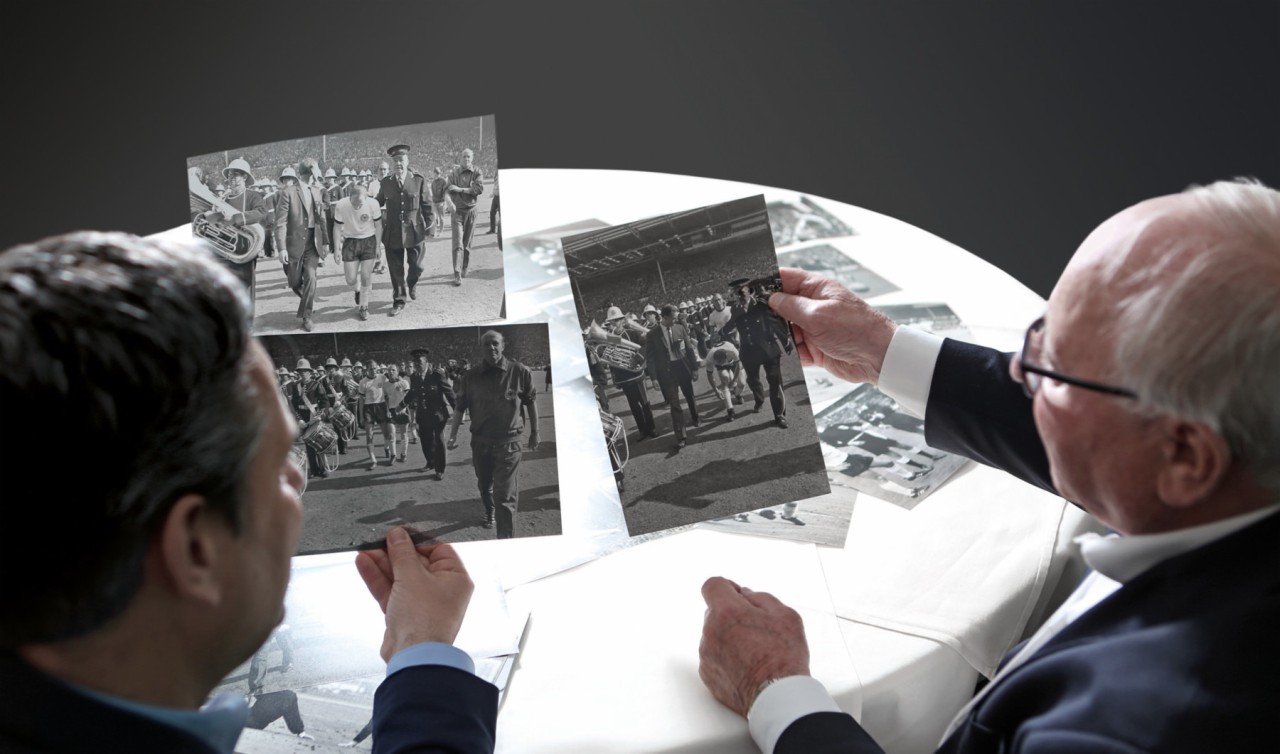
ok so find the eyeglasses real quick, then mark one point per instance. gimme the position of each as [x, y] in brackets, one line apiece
[1031, 376]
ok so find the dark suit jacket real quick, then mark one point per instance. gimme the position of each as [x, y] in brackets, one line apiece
[658, 354]
[762, 333]
[432, 708]
[291, 222]
[1182, 658]
[406, 212]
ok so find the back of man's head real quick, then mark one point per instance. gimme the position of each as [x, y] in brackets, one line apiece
[1197, 327]
[125, 387]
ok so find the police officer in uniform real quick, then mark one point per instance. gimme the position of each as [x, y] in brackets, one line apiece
[431, 394]
[408, 220]
[764, 336]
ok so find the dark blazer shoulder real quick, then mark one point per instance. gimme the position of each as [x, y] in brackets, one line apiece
[433, 708]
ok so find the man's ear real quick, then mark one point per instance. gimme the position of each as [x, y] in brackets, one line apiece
[1196, 460]
[192, 543]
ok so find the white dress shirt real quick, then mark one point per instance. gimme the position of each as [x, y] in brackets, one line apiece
[906, 376]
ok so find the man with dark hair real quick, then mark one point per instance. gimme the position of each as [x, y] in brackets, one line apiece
[406, 201]
[174, 567]
[492, 391]
[671, 359]
[432, 393]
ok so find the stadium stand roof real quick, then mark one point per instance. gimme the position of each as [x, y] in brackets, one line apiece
[704, 229]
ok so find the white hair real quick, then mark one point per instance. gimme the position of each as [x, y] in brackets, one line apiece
[1198, 333]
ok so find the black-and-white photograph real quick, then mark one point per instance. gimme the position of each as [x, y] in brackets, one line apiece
[450, 431]
[826, 259]
[873, 446]
[802, 219]
[822, 520]
[702, 398]
[386, 228]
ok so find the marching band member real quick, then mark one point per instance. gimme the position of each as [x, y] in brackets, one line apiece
[630, 382]
[357, 226]
[336, 384]
[309, 400]
[250, 209]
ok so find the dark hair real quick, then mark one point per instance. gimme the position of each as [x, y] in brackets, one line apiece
[668, 310]
[132, 354]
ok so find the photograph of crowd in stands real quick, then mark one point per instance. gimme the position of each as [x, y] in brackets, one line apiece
[702, 398]
[826, 259]
[385, 228]
[801, 219]
[450, 431]
[873, 446]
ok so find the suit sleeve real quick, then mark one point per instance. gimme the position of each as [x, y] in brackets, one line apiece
[977, 410]
[282, 218]
[433, 708]
[826, 733]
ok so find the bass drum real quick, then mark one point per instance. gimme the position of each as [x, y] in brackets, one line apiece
[298, 453]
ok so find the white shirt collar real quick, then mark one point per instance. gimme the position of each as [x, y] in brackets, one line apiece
[1123, 558]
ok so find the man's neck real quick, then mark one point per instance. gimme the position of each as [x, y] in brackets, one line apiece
[140, 660]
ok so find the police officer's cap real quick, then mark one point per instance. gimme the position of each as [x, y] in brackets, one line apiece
[398, 149]
[420, 352]
[739, 282]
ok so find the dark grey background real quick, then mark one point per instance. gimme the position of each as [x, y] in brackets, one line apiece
[1010, 128]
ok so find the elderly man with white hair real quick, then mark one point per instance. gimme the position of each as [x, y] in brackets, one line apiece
[1148, 394]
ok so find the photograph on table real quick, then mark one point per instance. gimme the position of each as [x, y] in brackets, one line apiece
[822, 520]
[449, 431]
[826, 259]
[936, 318]
[801, 219]
[873, 446]
[386, 228]
[701, 394]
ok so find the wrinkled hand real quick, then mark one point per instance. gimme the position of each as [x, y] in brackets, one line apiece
[747, 638]
[833, 328]
[423, 590]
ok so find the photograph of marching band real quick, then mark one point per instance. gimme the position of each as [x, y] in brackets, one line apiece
[450, 431]
[801, 219]
[700, 388]
[873, 446]
[826, 259]
[366, 230]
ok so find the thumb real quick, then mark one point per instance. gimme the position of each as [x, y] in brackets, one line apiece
[791, 307]
[404, 556]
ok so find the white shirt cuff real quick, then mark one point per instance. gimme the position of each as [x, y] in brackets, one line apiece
[782, 703]
[907, 371]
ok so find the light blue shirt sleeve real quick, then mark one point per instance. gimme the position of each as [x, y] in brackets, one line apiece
[431, 653]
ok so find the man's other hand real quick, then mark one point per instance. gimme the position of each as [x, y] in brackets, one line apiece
[747, 638]
[423, 590]
[833, 328]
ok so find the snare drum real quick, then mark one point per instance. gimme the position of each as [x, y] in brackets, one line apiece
[342, 419]
[319, 437]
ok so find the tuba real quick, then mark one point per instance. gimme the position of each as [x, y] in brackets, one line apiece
[237, 245]
[616, 351]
